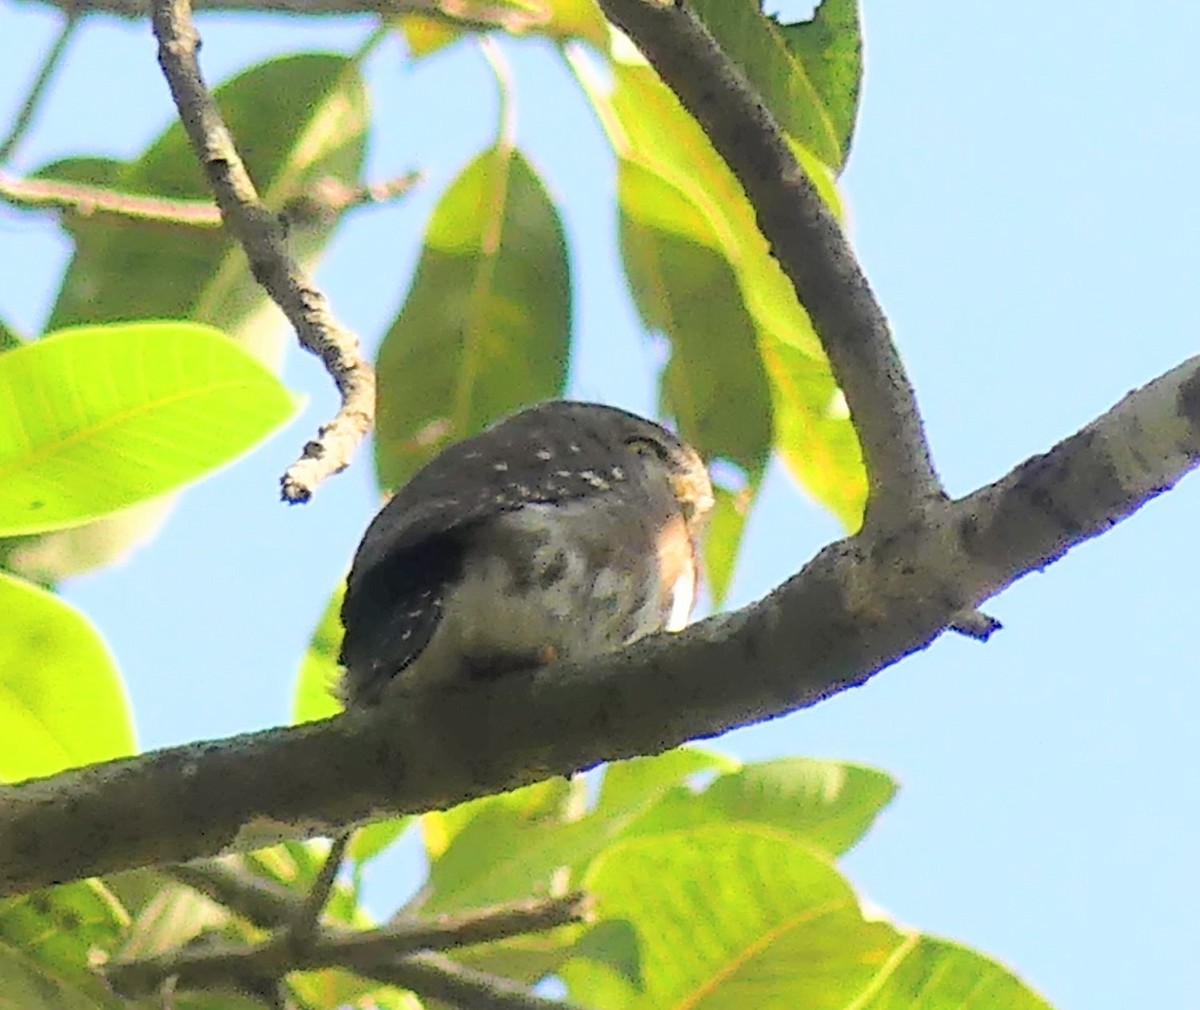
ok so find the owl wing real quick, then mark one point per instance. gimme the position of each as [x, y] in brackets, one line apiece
[412, 553]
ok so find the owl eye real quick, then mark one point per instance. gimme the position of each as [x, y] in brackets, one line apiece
[650, 449]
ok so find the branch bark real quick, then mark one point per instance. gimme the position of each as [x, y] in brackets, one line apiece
[224, 965]
[263, 237]
[859, 606]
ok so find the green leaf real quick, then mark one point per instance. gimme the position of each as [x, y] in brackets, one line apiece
[315, 693]
[486, 326]
[714, 383]
[636, 781]
[62, 702]
[807, 73]
[830, 47]
[97, 418]
[297, 120]
[735, 916]
[26, 984]
[933, 974]
[829, 805]
[59, 927]
[9, 338]
[684, 286]
[815, 437]
[370, 841]
[816, 440]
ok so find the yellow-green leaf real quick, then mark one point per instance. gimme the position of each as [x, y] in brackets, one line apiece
[97, 418]
[62, 701]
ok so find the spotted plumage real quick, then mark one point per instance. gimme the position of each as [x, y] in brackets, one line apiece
[564, 531]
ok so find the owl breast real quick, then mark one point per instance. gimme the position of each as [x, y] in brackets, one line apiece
[565, 581]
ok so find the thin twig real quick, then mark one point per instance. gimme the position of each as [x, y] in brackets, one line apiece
[37, 89]
[262, 236]
[270, 905]
[435, 976]
[304, 926]
[87, 200]
[223, 965]
[808, 243]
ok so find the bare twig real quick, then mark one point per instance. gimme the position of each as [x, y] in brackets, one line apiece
[86, 199]
[37, 89]
[859, 606]
[809, 245]
[270, 905]
[262, 236]
[226, 965]
[435, 976]
[331, 198]
[303, 927]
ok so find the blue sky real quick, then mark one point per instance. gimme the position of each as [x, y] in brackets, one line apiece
[1022, 194]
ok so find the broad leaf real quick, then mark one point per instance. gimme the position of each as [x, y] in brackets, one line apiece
[829, 805]
[297, 120]
[933, 974]
[59, 927]
[486, 325]
[97, 418]
[807, 73]
[62, 702]
[647, 124]
[734, 916]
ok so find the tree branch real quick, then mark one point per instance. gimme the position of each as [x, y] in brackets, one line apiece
[263, 237]
[807, 241]
[859, 606]
[223, 965]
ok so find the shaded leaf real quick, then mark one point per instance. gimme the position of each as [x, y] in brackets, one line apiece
[298, 120]
[807, 73]
[62, 701]
[684, 286]
[486, 325]
[8, 338]
[59, 927]
[830, 47]
[28, 985]
[97, 418]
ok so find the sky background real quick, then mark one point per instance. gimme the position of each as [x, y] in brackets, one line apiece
[1022, 193]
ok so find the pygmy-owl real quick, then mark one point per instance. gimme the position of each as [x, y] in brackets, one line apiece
[565, 531]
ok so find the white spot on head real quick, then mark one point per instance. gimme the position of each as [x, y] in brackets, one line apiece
[574, 448]
[500, 466]
[618, 473]
[544, 454]
[562, 473]
[594, 479]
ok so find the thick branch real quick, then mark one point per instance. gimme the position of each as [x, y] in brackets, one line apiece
[263, 238]
[859, 606]
[808, 243]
